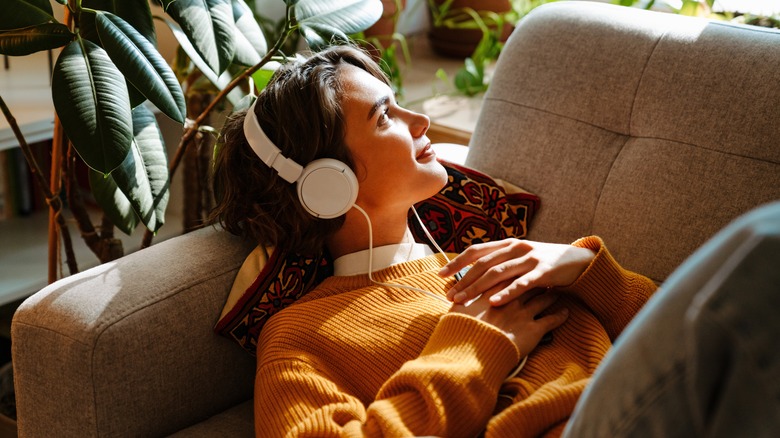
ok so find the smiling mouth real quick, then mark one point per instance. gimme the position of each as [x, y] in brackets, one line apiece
[426, 152]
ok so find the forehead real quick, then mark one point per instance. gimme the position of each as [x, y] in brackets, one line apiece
[360, 87]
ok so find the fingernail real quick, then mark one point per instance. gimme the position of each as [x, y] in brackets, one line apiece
[459, 297]
[443, 271]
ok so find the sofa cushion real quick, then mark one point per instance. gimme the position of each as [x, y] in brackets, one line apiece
[653, 134]
[471, 208]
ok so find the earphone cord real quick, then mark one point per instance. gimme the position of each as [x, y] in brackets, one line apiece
[371, 257]
[514, 372]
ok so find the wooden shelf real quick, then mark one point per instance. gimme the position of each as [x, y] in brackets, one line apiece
[26, 90]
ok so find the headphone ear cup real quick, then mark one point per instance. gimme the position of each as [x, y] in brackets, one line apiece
[327, 188]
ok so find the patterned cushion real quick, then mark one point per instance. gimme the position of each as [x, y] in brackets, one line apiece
[471, 208]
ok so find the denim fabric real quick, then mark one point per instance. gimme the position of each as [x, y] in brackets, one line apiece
[702, 358]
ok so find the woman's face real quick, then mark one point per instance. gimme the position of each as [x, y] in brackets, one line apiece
[395, 164]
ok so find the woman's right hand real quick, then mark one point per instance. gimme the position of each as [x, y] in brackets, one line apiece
[517, 319]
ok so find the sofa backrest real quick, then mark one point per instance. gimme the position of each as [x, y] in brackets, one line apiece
[648, 129]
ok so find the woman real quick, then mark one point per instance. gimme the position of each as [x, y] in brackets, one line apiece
[377, 349]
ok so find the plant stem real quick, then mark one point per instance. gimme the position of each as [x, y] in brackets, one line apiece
[57, 164]
[193, 128]
[53, 201]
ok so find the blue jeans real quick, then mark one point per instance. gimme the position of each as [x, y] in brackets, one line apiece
[702, 358]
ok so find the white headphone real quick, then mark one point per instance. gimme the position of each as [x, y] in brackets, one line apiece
[327, 188]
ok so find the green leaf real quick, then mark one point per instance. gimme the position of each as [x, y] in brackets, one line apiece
[143, 176]
[114, 203]
[137, 191]
[319, 35]
[135, 12]
[263, 75]
[25, 13]
[210, 28]
[249, 39]
[220, 81]
[142, 65]
[90, 97]
[33, 39]
[325, 21]
[62, 2]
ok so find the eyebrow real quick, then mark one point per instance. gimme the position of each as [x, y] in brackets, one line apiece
[379, 103]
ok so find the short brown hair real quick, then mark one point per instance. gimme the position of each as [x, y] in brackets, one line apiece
[300, 111]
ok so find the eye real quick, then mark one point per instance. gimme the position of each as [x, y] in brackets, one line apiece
[384, 117]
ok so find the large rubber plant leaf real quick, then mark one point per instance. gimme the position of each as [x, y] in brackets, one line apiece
[142, 65]
[210, 28]
[249, 39]
[20, 42]
[25, 13]
[219, 81]
[135, 12]
[323, 22]
[142, 178]
[114, 203]
[90, 98]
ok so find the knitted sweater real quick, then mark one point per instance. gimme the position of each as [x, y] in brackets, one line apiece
[356, 359]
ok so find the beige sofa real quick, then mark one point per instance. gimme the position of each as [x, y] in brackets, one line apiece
[650, 130]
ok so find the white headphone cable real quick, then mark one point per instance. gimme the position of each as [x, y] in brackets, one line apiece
[371, 259]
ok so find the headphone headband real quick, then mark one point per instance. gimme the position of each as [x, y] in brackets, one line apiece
[288, 169]
[327, 188]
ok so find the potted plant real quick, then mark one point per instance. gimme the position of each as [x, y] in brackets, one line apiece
[458, 26]
[109, 65]
[383, 43]
[483, 33]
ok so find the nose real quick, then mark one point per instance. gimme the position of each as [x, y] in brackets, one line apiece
[418, 124]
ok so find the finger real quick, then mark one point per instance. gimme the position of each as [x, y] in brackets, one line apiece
[531, 294]
[541, 301]
[506, 261]
[553, 320]
[484, 284]
[470, 255]
[517, 288]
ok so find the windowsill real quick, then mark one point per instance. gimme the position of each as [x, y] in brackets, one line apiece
[453, 116]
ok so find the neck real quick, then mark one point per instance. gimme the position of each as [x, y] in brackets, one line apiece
[388, 228]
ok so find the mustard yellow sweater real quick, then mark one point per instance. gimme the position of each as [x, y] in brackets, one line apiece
[356, 359]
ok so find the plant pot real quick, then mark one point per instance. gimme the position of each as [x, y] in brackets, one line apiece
[384, 29]
[461, 43]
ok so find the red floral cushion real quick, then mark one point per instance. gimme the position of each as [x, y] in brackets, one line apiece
[471, 208]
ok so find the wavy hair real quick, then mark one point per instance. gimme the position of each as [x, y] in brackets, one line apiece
[300, 111]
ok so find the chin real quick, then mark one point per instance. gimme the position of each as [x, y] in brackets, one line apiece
[439, 179]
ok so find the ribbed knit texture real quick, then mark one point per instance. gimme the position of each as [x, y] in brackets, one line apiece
[356, 359]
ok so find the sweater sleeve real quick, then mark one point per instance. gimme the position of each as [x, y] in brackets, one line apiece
[614, 294]
[449, 390]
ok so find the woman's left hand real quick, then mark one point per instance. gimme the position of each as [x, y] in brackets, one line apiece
[526, 263]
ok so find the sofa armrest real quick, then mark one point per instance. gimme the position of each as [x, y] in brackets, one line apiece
[127, 348]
